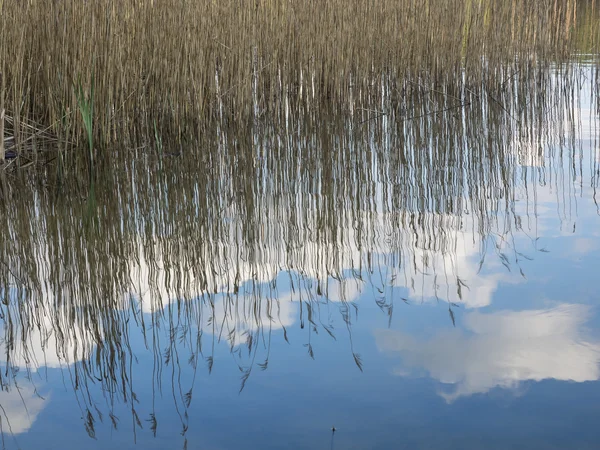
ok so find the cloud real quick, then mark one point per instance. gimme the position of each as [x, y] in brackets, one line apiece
[346, 290]
[49, 343]
[20, 409]
[434, 273]
[243, 297]
[155, 286]
[502, 350]
[582, 246]
[434, 253]
[234, 317]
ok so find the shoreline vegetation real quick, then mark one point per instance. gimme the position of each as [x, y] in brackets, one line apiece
[79, 78]
[254, 170]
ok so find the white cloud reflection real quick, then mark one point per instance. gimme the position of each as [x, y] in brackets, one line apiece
[48, 344]
[20, 409]
[502, 350]
[257, 307]
[446, 248]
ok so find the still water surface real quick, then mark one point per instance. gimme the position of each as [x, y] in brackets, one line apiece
[418, 278]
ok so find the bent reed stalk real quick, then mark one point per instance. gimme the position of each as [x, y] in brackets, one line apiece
[179, 67]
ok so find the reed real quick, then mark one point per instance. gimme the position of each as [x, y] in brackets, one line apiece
[2, 151]
[188, 64]
[2, 110]
[86, 108]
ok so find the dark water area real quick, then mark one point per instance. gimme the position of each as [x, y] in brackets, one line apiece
[417, 277]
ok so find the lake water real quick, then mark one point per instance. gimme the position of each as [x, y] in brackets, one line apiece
[423, 277]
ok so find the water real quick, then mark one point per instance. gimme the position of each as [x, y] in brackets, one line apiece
[423, 277]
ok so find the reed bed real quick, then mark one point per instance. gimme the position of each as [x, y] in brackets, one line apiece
[103, 73]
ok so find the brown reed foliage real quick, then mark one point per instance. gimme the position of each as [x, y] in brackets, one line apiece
[174, 68]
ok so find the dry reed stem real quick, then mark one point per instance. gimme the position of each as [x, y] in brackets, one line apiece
[2, 112]
[1, 133]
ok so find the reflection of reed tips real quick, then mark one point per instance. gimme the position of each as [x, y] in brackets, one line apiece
[332, 436]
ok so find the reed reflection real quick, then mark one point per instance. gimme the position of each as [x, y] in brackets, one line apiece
[283, 224]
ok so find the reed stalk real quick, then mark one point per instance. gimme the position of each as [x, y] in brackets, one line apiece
[2, 93]
[86, 108]
[2, 130]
